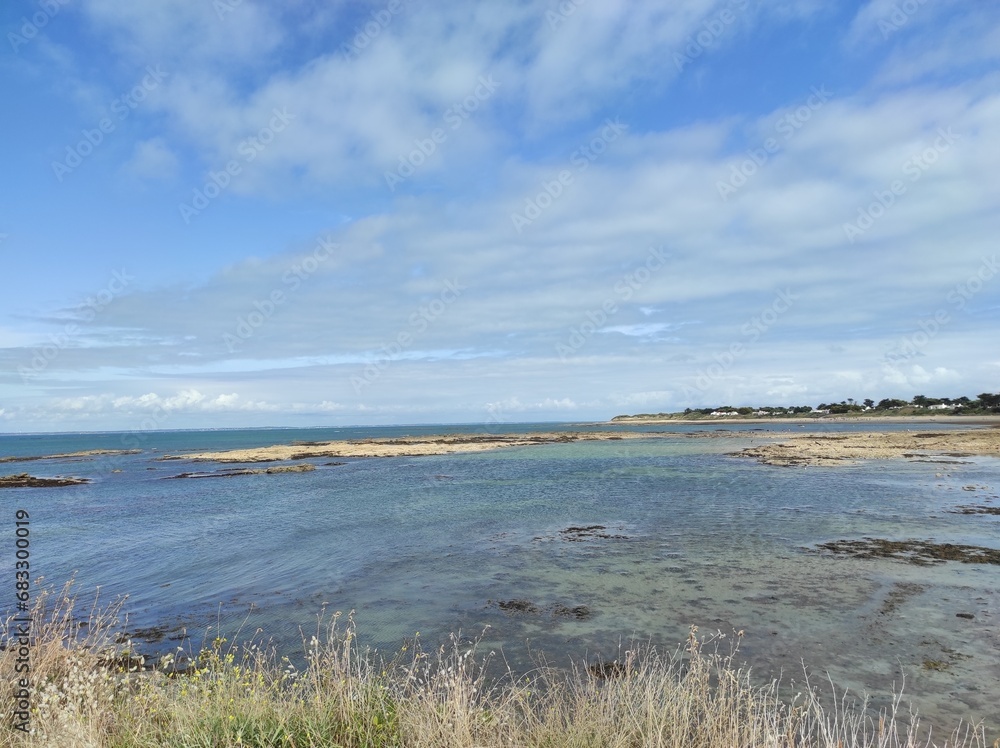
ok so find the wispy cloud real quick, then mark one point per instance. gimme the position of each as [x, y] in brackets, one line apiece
[306, 270]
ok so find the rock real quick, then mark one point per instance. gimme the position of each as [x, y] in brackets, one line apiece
[23, 480]
[920, 552]
[976, 509]
[70, 455]
[590, 532]
[607, 670]
[304, 467]
[966, 616]
[579, 612]
[517, 606]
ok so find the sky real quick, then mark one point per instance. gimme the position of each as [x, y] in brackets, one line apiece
[236, 213]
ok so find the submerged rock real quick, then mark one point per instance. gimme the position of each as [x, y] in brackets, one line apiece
[517, 606]
[899, 594]
[304, 467]
[606, 670]
[920, 552]
[558, 610]
[588, 532]
[975, 509]
[579, 612]
[73, 455]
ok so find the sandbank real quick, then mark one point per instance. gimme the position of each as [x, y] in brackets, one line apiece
[73, 455]
[844, 448]
[787, 448]
[301, 467]
[406, 446]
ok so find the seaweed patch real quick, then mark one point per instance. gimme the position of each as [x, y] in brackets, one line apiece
[920, 552]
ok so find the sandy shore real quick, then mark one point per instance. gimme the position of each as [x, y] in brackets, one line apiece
[407, 446]
[839, 449]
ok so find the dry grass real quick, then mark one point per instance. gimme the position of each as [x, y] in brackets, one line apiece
[88, 691]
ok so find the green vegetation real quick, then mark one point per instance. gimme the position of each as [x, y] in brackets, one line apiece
[89, 691]
[920, 405]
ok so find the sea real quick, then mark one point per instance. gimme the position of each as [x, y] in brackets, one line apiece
[565, 553]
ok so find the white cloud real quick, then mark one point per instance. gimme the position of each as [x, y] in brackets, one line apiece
[638, 331]
[355, 115]
[643, 399]
[179, 34]
[875, 21]
[184, 402]
[585, 258]
[152, 160]
[563, 403]
[515, 405]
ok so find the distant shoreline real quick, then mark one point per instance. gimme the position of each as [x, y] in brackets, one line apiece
[880, 419]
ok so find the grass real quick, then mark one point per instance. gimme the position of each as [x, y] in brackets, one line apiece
[89, 691]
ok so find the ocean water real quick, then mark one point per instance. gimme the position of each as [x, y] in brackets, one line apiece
[433, 544]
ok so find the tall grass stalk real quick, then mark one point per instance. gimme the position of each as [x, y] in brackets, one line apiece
[89, 690]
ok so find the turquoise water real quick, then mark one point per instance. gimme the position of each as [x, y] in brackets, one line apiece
[430, 544]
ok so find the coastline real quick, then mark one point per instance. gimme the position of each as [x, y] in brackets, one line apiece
[878, 420]
[792, 448]
[888, 566]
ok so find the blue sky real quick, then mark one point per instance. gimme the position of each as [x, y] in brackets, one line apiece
[239, 213]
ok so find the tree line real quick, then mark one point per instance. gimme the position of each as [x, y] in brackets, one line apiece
[985, 402]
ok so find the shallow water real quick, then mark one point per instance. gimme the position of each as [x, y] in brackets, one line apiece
[431, 544]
